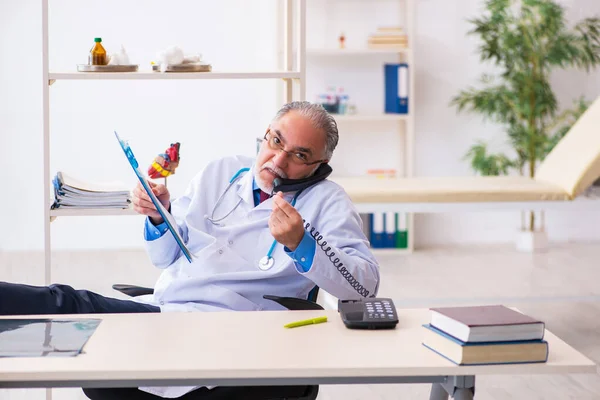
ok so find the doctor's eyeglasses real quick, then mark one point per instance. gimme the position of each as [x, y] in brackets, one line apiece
[297, 157]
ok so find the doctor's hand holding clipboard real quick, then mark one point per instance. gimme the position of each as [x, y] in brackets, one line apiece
[142, 203]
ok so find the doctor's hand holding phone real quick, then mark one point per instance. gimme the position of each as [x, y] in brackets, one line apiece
[142, 204]
[286, 223]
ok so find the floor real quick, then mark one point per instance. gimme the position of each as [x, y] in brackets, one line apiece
[559, 286]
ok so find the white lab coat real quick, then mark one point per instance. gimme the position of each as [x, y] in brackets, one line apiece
[224, 274]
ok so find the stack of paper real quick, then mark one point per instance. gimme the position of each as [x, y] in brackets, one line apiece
[73, 193]
[391, 37]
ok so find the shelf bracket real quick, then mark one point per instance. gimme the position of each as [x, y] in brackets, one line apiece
[52, 219]
[51, 81]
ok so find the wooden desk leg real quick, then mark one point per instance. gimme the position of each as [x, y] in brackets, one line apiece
[458, 387]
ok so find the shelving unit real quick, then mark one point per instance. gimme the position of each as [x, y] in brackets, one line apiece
[187, 75]
[356, 51]
[292, 73]
[90, 212]
[360, 121]
[371, 118]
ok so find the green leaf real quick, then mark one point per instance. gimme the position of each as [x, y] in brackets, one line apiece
[488, 164]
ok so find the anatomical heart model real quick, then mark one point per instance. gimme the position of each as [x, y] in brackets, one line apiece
[165, 163]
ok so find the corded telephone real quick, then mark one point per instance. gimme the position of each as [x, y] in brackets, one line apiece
[292, 185]
[370, 313]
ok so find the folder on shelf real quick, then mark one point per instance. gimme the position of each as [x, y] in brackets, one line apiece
[166, 215]
[366, 225]
[401, 231]
[389, 240]
[70, 192]
[377, 230]
[396, 88]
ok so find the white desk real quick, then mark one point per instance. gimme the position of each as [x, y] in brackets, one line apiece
[253, 348]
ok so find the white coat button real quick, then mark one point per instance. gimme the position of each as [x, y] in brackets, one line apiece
[220, 251]
[231, 242]
[303, 259]
[162, 303]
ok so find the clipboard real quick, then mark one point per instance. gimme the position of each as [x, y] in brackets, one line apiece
[166, 215]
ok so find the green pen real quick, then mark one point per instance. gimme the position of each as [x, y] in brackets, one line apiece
[311, 321]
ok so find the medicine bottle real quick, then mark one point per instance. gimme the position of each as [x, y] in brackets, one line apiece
[98, 53]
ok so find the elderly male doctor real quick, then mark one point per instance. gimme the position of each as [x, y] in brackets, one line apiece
[244, 248]
[245, 242]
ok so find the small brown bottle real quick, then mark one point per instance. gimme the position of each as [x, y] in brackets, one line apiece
[98, 53]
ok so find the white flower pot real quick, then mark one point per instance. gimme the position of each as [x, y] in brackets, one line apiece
[532, 241]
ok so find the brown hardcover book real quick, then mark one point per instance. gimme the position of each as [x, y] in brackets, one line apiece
[461, 353]
[486, 323]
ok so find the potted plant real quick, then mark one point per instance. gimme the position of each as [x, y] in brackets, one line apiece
[526, 40]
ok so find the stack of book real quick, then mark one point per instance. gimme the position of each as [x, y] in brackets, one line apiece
[70, 192]
[485, 335]
[384, 38]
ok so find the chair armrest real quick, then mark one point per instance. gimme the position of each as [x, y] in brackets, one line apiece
[132, 290]
[293, 303]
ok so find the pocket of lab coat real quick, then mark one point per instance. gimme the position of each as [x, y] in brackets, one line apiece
[215, 259]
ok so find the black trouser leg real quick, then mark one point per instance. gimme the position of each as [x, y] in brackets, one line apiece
[18, 299]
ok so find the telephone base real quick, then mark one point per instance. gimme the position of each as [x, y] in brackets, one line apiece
[372, 313]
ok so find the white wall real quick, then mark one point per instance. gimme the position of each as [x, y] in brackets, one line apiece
[209, 118]
[216, 118]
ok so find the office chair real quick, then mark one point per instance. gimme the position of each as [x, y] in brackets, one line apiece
[301, 392]
[291, 303]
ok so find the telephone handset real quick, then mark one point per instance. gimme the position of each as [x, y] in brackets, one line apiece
[370, 313]
[292, 185]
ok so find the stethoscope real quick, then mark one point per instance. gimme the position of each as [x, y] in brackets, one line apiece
[267, 262]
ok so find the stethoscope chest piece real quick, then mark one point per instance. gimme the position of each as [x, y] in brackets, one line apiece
[265, 263]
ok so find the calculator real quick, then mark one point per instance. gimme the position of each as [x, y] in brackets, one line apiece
[373, 313]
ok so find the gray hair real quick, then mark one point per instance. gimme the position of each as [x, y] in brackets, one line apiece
[320, 119]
